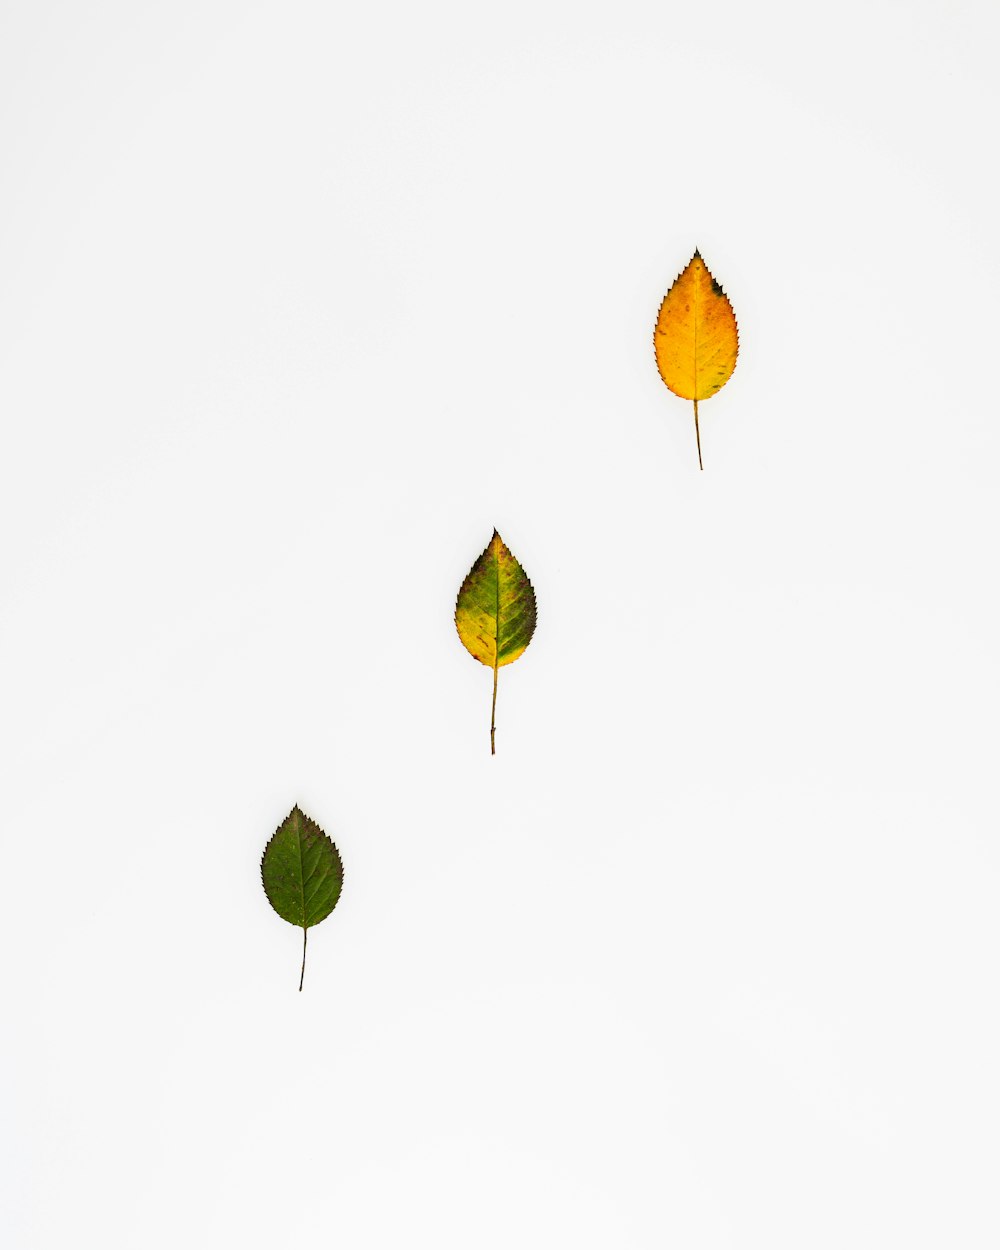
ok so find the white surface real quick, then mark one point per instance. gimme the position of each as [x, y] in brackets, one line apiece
[297, 301]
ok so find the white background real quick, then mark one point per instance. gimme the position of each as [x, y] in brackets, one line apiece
[297, 302]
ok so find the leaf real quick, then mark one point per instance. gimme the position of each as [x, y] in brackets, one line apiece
[495, 613]
[302, 874]
[696, 339]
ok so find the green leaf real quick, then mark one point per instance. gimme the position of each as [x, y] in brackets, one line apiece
[495, 613]
[302, 874]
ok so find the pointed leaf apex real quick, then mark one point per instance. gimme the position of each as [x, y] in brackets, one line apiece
[495, 609]
[302, 871]
[696, 339]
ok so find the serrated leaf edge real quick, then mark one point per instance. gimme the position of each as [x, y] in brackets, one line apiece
[677, 279]
[454, 616]
[323, 834]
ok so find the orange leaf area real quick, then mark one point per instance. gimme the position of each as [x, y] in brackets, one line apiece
[696, 339]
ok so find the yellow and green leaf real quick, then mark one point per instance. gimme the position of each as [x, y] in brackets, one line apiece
[495, 613]
[696, 339]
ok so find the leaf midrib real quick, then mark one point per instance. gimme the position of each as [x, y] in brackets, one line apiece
[496, 645]
[302, 874]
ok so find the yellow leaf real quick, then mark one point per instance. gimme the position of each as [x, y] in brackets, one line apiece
[696, 339]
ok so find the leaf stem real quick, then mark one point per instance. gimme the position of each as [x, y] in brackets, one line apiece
[697, 434]
[493, 715]
[305, 934]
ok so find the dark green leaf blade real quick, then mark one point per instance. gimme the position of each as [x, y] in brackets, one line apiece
[302, 873]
